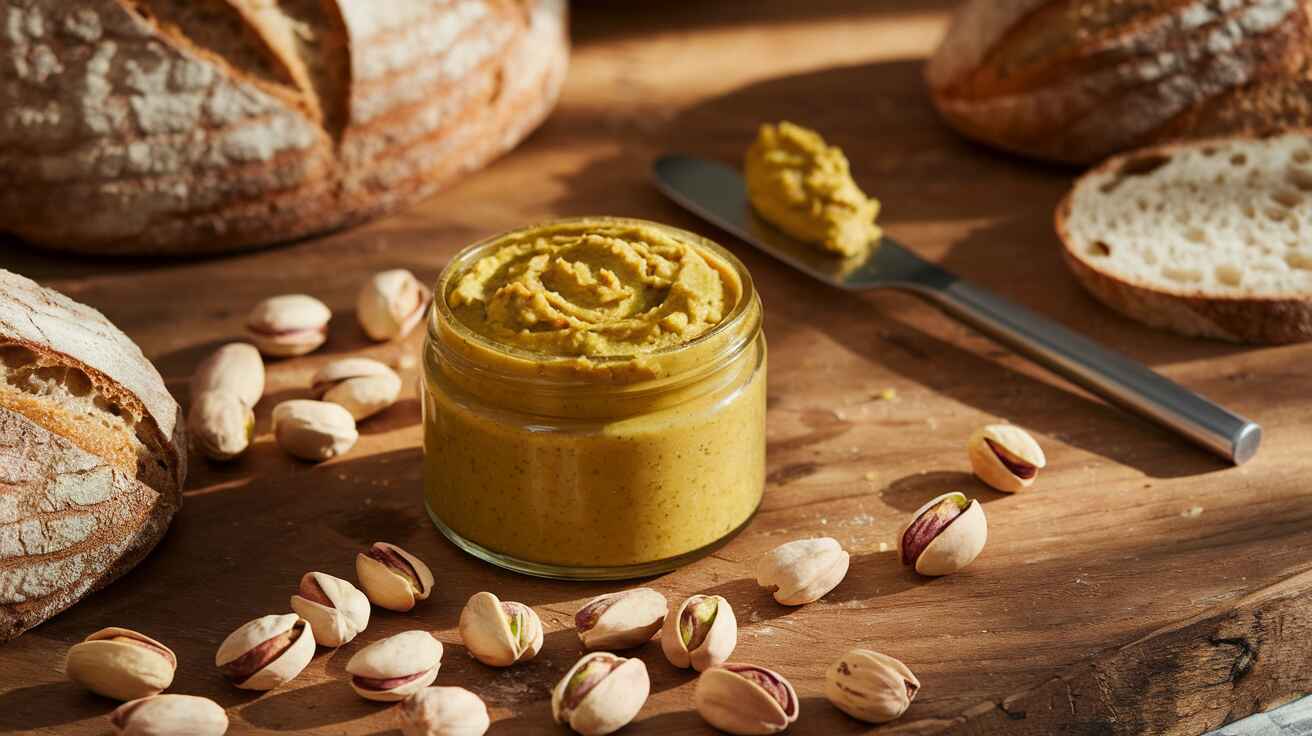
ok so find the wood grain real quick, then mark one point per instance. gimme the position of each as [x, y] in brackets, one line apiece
[1142, 587]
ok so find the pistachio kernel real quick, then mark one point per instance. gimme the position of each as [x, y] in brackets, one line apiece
[696, 620]
[929, 525]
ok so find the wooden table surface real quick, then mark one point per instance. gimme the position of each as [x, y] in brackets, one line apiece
[1141, 587]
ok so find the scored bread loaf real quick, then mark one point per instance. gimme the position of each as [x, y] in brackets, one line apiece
[92, 453]
[1078, 80]
[189, 127]
[1205, 238]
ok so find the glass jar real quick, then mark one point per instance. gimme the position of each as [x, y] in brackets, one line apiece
[594, 467]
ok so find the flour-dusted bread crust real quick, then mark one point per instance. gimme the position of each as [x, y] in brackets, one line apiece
[1206, 238]
[92, 453]
[201, 126]
[1078, 80]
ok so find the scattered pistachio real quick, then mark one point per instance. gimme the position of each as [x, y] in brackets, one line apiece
[804, 570]
[870, 686]
[288, 325]
[702, 632]
[337, 611]
[396, 667]
[621, 620]
[121, 664]
[221, 426]
[161, 715]
[235, 368]
[362, 386]
[391, 303]
[224, 391]
[600, 694]
[497, 633]
[313, 430]
[745, 699]
[1005, 457]
[266, 652]
[393, 578]
[944, 535]
[443, 711]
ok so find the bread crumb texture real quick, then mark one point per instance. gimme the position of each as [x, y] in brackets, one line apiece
[1218, 219]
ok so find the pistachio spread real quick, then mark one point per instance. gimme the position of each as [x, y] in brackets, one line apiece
[594, 398]
[804, 187]
[603, 291]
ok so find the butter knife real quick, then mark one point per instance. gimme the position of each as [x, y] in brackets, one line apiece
[717, 193]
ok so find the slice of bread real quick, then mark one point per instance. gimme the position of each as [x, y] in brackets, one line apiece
[1210, 238]
[92, 453]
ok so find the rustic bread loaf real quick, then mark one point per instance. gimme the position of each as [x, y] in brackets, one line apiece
[200, 126]
[92, 453]
[1205, 238]
[1078, 80]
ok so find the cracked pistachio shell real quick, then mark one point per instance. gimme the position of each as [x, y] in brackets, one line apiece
[337, 611]
[313, 430]
[288, 325]
[443, 711]
[1005, 457]
[712, 641]
[952, 546]
[600, 694]
[803, 571]
[266, 652]
[745, 699]
[621, 620]
[393, 578]
[397, 667]
[362, 386]
[499, 634]
[235, 368]
[391, 303]
[221, 425]
[121, 664]
[870, 686]
[169, 715]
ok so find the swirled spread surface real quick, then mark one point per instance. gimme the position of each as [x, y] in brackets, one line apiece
[594, 290]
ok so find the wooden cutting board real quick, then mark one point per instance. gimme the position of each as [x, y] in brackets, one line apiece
[1141, 587]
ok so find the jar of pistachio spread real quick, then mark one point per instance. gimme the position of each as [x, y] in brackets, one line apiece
[594, 399]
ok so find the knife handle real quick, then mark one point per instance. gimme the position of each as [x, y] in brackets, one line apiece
[1108, 374]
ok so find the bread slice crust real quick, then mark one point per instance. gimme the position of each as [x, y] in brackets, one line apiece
[1272, 317]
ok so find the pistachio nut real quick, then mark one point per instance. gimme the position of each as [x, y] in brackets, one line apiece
[288, 325]
[121, 664]
[391, 303]
[944, 535]
[600, 694]
[235, 368]
[362, 386]
[221, 425]
[336, 610]
[313, 430]
[702, 632]
[621, 620]
[870, 686]
[397, 667]
[168, 715]
[804, 570]
[745, 699]
[1005, 457]
[497, 633]
[266, 652]
[393, 578]
[443, 711]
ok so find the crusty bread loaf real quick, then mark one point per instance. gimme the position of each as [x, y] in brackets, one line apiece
[1205, 238]
[92, 453]
[200, 126]
[1078, 80]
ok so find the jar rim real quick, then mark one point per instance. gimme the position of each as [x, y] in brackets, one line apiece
[441, 313]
